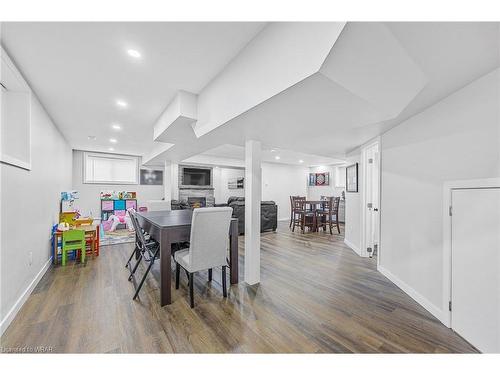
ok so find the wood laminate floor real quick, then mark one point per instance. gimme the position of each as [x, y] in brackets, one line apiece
[316, 296]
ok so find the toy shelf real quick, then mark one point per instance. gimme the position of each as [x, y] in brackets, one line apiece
[116, 207]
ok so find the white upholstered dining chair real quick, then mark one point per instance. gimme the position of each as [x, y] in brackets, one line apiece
[208, 245]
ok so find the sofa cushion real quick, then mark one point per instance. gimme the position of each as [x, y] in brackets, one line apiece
[235, 199]
[268, 212]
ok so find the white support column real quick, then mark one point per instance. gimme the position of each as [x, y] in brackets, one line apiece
[171, 181]
[253, 197]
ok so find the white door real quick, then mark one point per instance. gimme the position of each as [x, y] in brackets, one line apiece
[372, 198]
[475, 262]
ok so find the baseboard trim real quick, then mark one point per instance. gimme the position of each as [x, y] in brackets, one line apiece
[352, 246]
[416, 296]
[23, 298]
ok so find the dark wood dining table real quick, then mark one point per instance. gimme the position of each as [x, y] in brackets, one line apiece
[168, 227]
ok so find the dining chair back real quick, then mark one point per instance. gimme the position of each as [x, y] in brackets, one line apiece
[209, 239]
[335, 205]
[140, 235]
[208, 246]
[329, 214]
[145, 249]
[302, 216]
[292, 198]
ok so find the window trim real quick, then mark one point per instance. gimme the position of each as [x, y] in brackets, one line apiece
[103, 155]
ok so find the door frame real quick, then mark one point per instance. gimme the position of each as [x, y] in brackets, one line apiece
[364, 199]
[448, 187]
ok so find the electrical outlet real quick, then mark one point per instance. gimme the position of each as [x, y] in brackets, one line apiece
[31, 258]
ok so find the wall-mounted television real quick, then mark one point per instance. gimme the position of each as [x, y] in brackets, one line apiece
[195, 176]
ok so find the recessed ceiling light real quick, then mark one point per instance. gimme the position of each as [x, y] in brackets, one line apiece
[134, 53]
[111, 149]
[301, 161]
[116, 126]
[92, 137]
[277, 157]
[121, 103]
[273, 150]
[112, 140]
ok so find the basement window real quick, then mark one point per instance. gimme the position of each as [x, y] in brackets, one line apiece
[110, 169]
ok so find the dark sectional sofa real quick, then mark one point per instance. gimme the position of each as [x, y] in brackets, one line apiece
[268, 213]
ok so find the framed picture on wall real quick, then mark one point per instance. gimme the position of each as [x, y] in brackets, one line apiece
[351, 178]
[236, 183]
[323, 179]
[319, 179]
[151, 177]
[312, 179]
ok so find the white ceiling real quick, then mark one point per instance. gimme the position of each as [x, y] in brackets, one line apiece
[269, 155]
[78, 70]
[330, 113]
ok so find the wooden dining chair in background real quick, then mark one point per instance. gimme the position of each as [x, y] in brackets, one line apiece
[329, 214]
[301, 215]
[292, 197]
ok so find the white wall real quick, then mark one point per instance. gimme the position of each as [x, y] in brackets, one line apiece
[457, 138]
[30, 206]
[90, 193]
[279, 181]
[353, 206]
[315, 192]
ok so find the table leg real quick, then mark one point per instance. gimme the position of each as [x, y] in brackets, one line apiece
[165, 270]
[98, 235]
[54, 249]
[233, 252]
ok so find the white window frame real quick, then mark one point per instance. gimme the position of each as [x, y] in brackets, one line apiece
[87, 180]
[14, 85]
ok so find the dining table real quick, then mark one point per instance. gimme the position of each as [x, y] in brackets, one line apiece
[168, 227]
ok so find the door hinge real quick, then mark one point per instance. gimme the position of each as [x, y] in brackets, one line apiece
[450, 210]
[449, 305]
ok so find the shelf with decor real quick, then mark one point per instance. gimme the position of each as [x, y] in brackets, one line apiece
[117, 203]
[116, 207]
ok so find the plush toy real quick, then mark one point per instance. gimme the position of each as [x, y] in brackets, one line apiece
[113, 221]
[61, 227]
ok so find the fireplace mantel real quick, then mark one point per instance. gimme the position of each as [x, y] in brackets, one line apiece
[196, 188]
